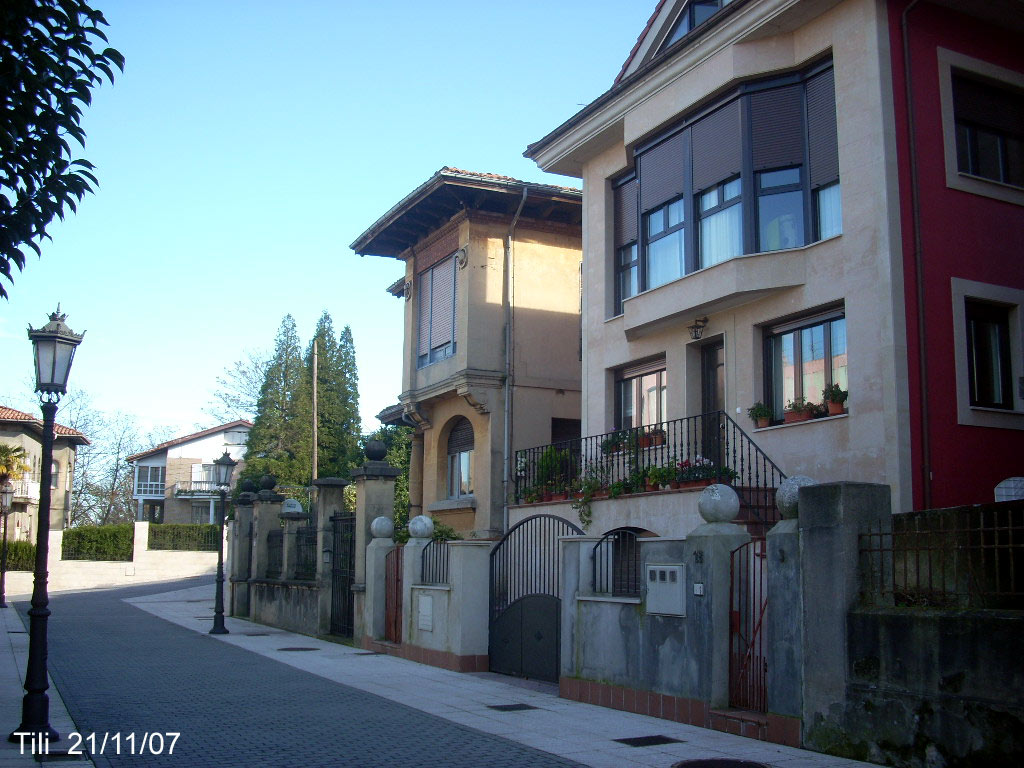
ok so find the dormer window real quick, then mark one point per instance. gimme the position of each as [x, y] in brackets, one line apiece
[695, 13]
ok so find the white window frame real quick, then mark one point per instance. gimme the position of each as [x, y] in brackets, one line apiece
[955, 179]
[975, 415]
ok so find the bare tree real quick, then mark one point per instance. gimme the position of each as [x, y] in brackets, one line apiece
[238, 390]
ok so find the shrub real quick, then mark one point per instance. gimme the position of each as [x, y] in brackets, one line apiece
[99, 542]
[21, 556]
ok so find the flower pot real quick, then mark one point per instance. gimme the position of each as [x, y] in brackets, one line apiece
[794, 416]
[650, 487]
[674, 485]
[561, 496]
[763, 422]
[836, 409]
[546, 496]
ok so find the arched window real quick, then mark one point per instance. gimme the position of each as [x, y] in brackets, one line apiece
[460, 459]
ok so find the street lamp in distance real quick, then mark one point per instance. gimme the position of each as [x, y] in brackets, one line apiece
[53, 347]
[6, 499]
[222, 469]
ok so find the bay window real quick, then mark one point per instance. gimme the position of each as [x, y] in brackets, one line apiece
[757, 171]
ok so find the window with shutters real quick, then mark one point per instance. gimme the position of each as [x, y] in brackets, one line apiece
[757, 171]
[435, 288]
[989, 129]
[460, 459]
[641, 395]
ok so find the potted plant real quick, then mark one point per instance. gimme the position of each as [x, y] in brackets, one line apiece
[835, 398]
[760, 414]
[660, 477]
[799, 409]
[651, 436]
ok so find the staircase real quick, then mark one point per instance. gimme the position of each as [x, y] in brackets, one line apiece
[757, 480]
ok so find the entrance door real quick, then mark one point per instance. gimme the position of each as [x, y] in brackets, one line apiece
[712, 390]
[525, 598]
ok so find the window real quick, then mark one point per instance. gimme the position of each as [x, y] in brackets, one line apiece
[203, 475]
[235, 437]
[436, 291]
[804, 357]
[200, 513]
[54, 474]
[988, 354]
[772, 142]
[149, 481]
[460, 459]
[641, 395]
[989, 129]
[692, 16]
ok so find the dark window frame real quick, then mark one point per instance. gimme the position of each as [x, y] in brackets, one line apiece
[633, 373]
[796, 327]
[980, 310]
[969, 127]
[455, 450]
[782, 189]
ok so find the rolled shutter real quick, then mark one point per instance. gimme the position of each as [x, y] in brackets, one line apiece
[461, 437]
[777, 127]
[717, 147]
[661, 173]
[822, 138]
[442, 303]
[423, 298]
[987, 105]
[625, 213]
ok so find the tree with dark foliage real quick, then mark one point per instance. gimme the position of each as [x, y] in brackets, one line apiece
[48, 67]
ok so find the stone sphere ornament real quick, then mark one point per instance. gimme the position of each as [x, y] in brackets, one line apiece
[421, 527]
[787, 497]
[248, 486]
[382, 527]
[376, 450]
[718, 504]
[268, 483]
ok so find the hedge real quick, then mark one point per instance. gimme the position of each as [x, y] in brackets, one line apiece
[99, 542]
[21, 556]
[188, 537]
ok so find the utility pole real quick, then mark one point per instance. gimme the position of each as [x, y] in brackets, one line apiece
[315, 414]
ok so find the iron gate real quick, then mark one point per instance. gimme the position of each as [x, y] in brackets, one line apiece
[393, 595]
[748, 603]
[343, 565]
[525, 598]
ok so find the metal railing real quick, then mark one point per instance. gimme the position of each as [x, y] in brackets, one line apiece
[710, 447]
[305, 553]
[26, 488]
[434, 563]
[961, 557]
[194, 537]
[275, 553]
[187, 487]
[616, 564]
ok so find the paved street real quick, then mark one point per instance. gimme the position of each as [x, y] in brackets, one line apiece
[139, 661]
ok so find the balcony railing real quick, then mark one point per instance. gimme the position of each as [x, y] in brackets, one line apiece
[26, 488]
[691, 451]
[194, 487]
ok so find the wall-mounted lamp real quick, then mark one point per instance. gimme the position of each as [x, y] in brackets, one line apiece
[697, 329]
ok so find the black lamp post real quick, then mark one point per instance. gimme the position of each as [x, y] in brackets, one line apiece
[6, 499]
[54, 348]
[222, 469]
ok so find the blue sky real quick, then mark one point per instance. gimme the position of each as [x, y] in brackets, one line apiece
[248, 143]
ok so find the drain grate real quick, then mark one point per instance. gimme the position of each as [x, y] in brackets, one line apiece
[257, 634]
[208, 618]
[367, 653]
[648, 741]
[298, 648]
[16, 632]
[510, 707]
[718, 762]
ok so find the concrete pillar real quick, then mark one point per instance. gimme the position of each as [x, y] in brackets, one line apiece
[330, 503]
[412, 573]
[784, 620]
[374, 608]
[416, 475]
[141, 539]
[139, 516]
[265, 517]
[375, 497]
[831, 518]
[292, 517]
[241, 554]
[469, 565]
[576, 579]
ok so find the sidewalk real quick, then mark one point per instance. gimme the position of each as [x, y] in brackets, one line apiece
[13, 659]
[580, 732]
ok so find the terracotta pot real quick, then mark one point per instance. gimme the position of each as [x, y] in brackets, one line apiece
[559, 496]
[674, 485]
[546, 496]
[763, 422]
[836, 409]
[651, 487]
[794, 416]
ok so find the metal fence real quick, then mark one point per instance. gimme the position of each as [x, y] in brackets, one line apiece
[434, 563]
[184, 537]
[961, 557]
[694, 450]
[616, 564]
[275, 553]
[305, 553]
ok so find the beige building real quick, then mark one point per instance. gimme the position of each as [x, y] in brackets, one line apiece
[26, 431]
[491, 264]
[742, 226]
[174, 482]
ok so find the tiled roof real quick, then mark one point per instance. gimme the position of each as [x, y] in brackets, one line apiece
[449, 171]
[179, 440]
[10, 414]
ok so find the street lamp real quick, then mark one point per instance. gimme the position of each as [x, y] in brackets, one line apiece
[222, 469]
[6, 499]
[53, 346]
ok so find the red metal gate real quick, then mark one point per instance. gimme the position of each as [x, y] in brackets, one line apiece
[748, 603]
[393, 596]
